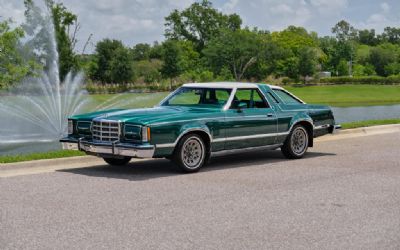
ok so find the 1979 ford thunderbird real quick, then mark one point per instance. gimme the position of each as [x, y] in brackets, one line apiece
[201, 119]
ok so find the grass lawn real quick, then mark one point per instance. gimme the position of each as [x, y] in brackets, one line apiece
[40, 156]
[369, 123]
[125, 100]
[349, 95]
[335, 95]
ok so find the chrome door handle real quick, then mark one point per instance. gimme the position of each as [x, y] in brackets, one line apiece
[270, 115]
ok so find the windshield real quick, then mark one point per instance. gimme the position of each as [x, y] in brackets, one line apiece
[202, 97]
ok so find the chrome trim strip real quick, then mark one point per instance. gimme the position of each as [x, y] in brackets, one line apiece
[242, 150]
[322, 126]
[166, 145]
[337, 126]
[235, 138]
[245, 137]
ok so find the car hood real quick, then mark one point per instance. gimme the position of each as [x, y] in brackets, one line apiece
[150, 115]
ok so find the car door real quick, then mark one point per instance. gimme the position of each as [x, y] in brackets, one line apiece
[250, 121]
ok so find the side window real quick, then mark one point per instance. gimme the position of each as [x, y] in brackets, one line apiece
[258, 101]
[248, 98]
[186, 97]
[286, 97]
[217, 96]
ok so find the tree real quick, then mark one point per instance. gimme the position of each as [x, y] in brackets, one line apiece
[294, 38]
[199, 23]
[64, 22]
[148, 70]
[343, 68]
[392, 69]
[380, 57]
[179, 57]
[113, 62]
[141, 51]
[307, 62]
[391, 35]
[156, 51]
[238, 49]
[171, 67]
[367, 37]
[344, 31]
[13, 66]
[65, 27]
[121, 67]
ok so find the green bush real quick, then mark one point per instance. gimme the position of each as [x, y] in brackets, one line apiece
[362, 80]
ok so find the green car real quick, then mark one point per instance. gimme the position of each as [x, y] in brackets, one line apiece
[199, 120]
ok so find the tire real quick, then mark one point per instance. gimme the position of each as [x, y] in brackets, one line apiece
[117, 161]
[190, 154]
[296, 144]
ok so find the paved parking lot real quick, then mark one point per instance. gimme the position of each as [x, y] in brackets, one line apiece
[344, 195]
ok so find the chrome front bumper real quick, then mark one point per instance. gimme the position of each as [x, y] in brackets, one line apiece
[114, 149]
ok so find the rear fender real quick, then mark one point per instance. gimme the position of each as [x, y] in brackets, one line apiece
[305, 120]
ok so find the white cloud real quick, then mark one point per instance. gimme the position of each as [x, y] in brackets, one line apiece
[13, 10]
[381, 19]
[282, 9]
[385, 7]
[230, 5]
[134, 21]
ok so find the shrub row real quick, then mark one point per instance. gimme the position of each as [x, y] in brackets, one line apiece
[94, 88]
[395, 79]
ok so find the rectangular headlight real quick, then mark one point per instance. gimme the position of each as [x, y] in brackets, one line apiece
[132, 132]
[84, 126]
[70, 127]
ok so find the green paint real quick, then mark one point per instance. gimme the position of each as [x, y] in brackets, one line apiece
[248, 123]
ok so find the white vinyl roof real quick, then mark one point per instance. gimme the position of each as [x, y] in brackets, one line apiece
[227, 85]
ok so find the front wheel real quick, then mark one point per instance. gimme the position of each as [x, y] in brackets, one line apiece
[190, 153]
[296, 143]
[117, 161]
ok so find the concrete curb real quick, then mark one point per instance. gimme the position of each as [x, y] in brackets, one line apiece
[52, 162]
[91, 160]
[359, 132]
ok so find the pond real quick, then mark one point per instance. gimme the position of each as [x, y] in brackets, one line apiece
[353, 114]
[342, 115]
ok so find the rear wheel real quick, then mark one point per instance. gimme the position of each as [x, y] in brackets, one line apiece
[117, 161]
[296, 143]
[190, 153]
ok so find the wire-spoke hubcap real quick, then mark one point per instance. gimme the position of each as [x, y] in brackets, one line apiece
[192, 153]
[299, 141]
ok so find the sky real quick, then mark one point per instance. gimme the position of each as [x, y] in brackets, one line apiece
[138, 21]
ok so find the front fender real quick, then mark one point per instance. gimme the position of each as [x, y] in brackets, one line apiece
[192, 127]
[165, 138]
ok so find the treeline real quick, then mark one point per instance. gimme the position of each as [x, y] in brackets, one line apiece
[203, 44]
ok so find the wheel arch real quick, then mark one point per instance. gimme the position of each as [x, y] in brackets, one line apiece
[202, 131]
[308, 124]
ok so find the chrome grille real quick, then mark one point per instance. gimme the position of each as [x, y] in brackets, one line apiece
[104, 130]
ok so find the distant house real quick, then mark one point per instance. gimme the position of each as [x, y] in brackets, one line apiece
[324, 74]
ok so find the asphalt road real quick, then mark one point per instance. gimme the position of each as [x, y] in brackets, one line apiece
[344, 195]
